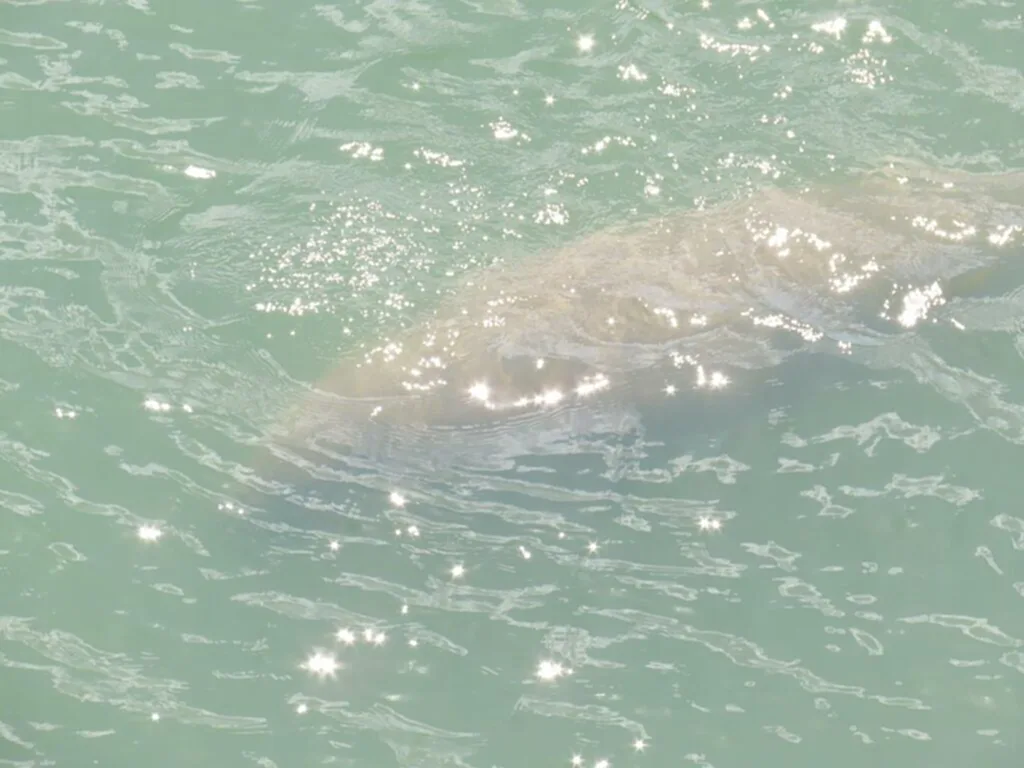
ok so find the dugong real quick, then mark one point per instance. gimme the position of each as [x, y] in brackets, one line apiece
[574, 338]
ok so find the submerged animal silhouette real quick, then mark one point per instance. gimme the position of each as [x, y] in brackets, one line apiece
[740, 286]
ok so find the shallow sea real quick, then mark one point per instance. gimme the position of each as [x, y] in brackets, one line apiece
[789, 559]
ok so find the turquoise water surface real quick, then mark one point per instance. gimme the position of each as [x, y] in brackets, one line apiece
[727, 470]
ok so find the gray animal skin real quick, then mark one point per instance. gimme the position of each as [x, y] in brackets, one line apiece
[613, 319]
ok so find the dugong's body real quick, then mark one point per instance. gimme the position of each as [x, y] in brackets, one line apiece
[626, 312]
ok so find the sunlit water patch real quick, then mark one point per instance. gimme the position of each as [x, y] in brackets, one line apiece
[747, 496]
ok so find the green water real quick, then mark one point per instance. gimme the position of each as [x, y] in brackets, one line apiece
[207, 207]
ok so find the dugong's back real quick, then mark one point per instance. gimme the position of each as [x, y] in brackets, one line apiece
[614, 315]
